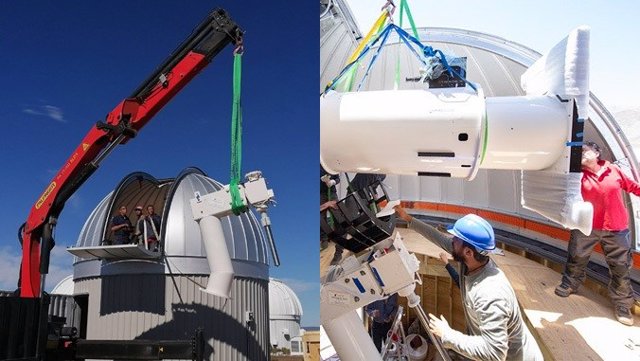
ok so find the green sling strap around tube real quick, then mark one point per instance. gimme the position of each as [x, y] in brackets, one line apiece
[404, 9]
[237, 206]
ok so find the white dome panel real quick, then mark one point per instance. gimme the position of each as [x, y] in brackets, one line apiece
[283, 302]
[183, 251]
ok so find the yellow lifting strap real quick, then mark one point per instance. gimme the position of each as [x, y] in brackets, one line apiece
[377, 26]
[374, 31]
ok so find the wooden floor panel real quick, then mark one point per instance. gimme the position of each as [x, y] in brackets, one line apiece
[580, 327]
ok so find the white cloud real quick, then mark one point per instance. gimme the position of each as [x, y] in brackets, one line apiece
[48, 111]
[300, 286]
[54, 113]
[9, 269]
[60, 266]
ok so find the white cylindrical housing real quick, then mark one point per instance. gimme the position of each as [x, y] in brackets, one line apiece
[527, 132]
[350, 339]
[440, 132]
[402, 132]
[215, 247]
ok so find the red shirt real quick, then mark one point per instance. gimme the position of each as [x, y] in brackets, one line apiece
[609, 211]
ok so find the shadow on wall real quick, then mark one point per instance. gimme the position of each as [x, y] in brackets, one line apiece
[216, 325]
[136, 293]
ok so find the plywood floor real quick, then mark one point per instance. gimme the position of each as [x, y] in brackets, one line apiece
[580, 327]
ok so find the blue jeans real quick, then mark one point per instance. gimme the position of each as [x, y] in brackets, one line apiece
[616, 247]
[379, 333]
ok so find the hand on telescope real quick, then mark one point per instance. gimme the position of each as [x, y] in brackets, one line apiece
[438, 326]
[329, 204]
[401, 213]
[328, 181]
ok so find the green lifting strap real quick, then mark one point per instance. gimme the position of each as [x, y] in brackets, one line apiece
[404, 5]
[237, 205]
[404, 9]
[329, 213]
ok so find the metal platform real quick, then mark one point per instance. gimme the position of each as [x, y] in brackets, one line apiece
[121, 251]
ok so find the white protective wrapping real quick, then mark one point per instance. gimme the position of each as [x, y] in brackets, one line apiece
[554, 192]
[554, 196]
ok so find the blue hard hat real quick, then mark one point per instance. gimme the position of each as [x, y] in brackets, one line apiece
[476, 231]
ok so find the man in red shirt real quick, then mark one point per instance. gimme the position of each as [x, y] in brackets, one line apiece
[601, 186]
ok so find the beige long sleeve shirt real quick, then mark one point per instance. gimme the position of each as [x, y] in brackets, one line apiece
[491, 310]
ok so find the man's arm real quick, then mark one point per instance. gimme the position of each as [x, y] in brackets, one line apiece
[116, 226]
[628, 184]
[391, 307]
[427, 231]
[329, 204]
[370, 308]
[493, 341]
[453, 273]
[157, 222]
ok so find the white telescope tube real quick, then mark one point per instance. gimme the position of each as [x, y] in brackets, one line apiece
[350, 339]
[220, 267]
[526, 133]
[384, 131]
[441, 132]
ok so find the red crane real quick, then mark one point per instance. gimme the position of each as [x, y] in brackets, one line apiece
[121, 124]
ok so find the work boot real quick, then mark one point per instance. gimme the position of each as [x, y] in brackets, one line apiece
[337, 257]
[624, 316]
[564, 290]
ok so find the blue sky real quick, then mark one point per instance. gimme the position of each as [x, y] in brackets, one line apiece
[539, 25]
[68, 63]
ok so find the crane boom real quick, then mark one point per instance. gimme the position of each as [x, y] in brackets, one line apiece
[121, 124]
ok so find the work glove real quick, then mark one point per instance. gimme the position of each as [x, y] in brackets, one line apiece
[328, 181]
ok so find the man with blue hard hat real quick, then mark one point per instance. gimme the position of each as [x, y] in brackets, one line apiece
[494, 321]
